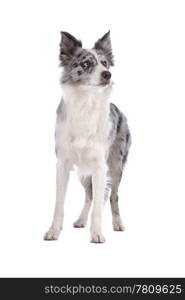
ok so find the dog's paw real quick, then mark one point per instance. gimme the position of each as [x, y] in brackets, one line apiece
[80, 223]
[97, 238]
[118, 225]
[52, 234]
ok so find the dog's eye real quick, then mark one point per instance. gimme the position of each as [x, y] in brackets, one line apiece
[85, 64]
[104, 63]
[74, 65]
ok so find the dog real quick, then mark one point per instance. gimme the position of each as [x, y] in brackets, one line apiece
[91, 134]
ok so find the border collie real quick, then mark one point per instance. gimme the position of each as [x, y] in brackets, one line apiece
[91, 135]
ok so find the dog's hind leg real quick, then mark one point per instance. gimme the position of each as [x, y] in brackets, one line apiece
[116, 165]
[116, 219]
[82, 220]
[116, 160]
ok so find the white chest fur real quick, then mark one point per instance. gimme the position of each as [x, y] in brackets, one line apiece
[82, 133]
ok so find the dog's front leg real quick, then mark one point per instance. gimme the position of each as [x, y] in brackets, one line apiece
[98, 184]
[62, 177]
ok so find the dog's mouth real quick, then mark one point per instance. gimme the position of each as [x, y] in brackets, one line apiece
[102, 84]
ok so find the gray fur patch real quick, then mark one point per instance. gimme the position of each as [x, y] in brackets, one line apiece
[80, 67]
[120, 142]
[61, 110]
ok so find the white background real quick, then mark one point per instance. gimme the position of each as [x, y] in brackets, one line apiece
[148, 40]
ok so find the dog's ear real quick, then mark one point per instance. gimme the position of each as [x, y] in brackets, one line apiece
[104, 45]
[68, 46]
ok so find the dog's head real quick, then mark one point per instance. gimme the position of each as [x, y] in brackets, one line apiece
[86, 67]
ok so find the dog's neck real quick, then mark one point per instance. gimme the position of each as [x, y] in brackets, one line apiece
[87, 95]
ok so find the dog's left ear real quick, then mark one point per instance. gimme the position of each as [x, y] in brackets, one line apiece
[104, 45]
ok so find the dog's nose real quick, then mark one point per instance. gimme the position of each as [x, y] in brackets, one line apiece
[106, 75]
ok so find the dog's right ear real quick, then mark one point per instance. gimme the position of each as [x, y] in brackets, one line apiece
[68, 46]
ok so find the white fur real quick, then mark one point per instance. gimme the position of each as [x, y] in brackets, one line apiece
[82, 141]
